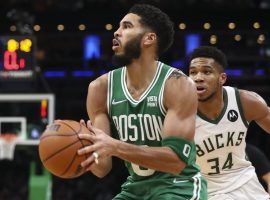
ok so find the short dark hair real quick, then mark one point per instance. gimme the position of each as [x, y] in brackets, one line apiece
[159, 22]
[210, 52]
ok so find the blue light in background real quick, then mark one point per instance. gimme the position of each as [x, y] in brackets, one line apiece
[178, 64]
[103, 71]
[234, 72]
[259, 72]
[35, 134]
[91, 47]
[192, 42]
[51, 74]
[87, 73]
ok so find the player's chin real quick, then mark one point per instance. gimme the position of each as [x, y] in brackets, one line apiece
[118, 53]
[202, 99]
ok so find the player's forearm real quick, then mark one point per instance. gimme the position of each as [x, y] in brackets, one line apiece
[156, 158]
[266, 178]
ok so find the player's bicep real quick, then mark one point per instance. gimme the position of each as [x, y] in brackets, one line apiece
[97, 107]
[175, 125]
[253, 104]
[255, 108]
[93, 104]
[181, 112]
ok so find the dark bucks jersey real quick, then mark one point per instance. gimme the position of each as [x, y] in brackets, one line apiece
[140, 121]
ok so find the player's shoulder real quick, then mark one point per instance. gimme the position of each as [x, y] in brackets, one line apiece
[97, 92]
[99, 84]
[254, 106]
[250, 97]
[179, 88]
[178, 81]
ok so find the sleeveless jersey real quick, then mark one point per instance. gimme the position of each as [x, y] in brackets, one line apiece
[140, 122]
[220, 145]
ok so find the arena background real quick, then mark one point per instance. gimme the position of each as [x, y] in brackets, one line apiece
[71, 45]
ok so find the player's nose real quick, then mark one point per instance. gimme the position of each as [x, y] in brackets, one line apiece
[116, 34]
[199, 77]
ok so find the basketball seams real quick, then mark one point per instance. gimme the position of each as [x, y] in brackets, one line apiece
[59, 150]
[76, 133]
[81, 141]
[83, 145]
[75, 155]
[62, 135]
[71, 127]
[70, 164]
[74, 158]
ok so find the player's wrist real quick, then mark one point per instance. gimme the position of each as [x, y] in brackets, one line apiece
[115, 146]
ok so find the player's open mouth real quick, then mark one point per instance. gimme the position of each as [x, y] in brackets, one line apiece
[115, 44]
[201, 89]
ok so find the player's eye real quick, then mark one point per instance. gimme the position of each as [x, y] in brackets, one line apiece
[192, 73]
[127, 26]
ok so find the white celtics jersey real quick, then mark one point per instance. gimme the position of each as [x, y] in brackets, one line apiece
[220, 145]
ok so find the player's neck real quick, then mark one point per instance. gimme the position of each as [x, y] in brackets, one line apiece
[140, 75]
[140, 72]
[213, 107]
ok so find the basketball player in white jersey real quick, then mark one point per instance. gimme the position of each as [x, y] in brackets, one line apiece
[223, 116]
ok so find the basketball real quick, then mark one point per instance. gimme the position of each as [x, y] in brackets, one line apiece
[58, 148]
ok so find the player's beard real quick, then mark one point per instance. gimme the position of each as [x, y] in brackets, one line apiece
[132, 50]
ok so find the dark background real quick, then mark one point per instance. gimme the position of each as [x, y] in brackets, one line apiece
[62, 51]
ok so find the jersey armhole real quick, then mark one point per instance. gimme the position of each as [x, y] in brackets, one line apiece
[109, 92]
[238, 100]
[161, 94]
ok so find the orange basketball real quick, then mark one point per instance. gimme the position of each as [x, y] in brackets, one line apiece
[58, 148]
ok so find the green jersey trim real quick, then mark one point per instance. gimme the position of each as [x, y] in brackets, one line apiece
[197, 187]
[217, 120]
[240, 107]
[145, 93]
[161, 105]
[109, 91]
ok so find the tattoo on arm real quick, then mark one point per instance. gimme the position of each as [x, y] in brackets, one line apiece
[177, 74]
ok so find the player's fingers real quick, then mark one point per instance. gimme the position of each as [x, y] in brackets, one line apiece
[89, 122]
[89, 161]
[86, 150]
[93, 129]
[82, 122]
[86, 136]
[90, 126]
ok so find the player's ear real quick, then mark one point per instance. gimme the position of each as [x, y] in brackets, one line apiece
[222, 78]
[150, 38]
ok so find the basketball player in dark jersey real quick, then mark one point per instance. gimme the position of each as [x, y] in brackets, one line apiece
[152, 107]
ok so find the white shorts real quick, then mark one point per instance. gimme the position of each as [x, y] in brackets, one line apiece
[252, 190]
